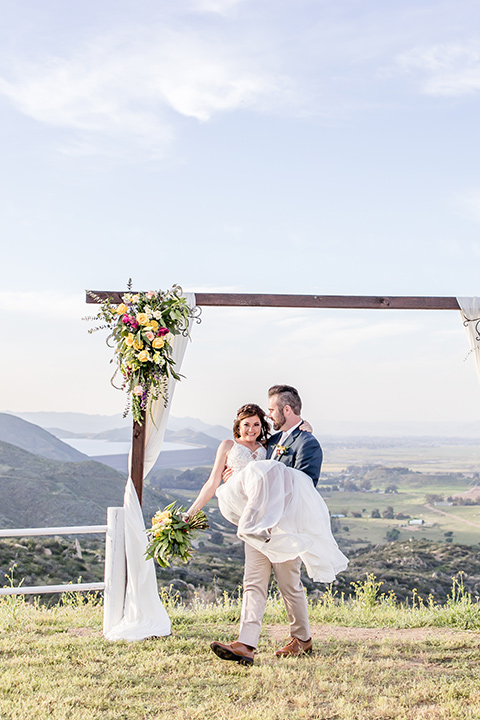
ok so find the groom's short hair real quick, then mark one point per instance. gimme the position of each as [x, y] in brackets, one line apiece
[288, 395]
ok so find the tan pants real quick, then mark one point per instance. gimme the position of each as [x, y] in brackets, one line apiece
[256, 579]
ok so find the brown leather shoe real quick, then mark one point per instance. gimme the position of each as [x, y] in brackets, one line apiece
[295, 648]
[236, 651]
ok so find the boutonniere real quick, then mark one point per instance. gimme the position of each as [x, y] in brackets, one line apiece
[281, 450]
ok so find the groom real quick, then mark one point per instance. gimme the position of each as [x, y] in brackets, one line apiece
[300, 450]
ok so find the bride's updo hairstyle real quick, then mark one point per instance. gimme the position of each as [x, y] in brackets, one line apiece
[250, 410]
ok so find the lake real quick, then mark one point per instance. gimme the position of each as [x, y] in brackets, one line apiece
[94, 448]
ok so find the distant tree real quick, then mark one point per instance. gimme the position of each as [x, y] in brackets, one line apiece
[375, 513]
[449, 533]
[391, 489]
[392, 534]
[335, 525]
[350, 486]
[388, 513]
[356, 514]
[433, 498]
[365, 484]
[216, 538]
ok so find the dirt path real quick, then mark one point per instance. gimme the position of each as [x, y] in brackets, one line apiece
[450, 515]
[355, 634]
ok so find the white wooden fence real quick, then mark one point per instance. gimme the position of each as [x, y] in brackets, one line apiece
[115, 572]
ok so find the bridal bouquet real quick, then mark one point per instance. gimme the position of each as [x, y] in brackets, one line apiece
[171, 536]
[141, 329]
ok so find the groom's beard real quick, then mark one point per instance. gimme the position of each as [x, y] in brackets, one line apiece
[279, 422]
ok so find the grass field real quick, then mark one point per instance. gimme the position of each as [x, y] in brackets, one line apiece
[431, 455]
[409, 501]
[372, 661]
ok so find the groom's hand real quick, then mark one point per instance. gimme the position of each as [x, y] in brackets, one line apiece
[227, 473]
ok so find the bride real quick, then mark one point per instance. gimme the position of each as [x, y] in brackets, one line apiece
[277, 509]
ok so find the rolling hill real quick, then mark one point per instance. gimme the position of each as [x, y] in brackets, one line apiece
[36, 440]
[38, 492]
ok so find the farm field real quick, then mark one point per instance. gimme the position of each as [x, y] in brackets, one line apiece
[424, 455]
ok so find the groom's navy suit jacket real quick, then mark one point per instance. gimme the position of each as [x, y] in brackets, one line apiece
[303, 452]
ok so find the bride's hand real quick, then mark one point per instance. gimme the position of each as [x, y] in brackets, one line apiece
[306, 426]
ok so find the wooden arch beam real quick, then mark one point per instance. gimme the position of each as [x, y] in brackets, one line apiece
[365, 302]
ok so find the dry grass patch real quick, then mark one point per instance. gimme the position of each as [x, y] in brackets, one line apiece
[56, 664]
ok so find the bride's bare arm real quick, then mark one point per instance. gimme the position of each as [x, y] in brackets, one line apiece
[214, 480]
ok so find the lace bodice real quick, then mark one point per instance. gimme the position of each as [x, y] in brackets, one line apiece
[239, 456]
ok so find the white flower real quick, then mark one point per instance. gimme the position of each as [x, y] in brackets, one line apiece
[157, 314]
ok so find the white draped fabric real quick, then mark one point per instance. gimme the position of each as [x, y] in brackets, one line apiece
[143, 614]
[470, 310]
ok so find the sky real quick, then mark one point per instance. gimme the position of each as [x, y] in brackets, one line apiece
[275, 146]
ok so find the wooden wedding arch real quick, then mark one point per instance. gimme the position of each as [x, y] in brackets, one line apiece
[359, 302]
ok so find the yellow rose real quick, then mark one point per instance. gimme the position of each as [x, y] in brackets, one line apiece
[143, 356]
[129, 340]
[137, 345]
[122, 309]
[153, 325]
[158, 343]
[160, 516]
[142, 319]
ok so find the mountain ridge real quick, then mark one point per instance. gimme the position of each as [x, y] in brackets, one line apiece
[35, 439]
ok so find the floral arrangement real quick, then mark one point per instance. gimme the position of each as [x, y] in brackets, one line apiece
[141, 330]
[170, 535]
[281, 450]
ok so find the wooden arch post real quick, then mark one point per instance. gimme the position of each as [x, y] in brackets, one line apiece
[361, 302]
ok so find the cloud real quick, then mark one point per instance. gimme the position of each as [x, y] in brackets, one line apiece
[334, 336]
[128, 86]
[468, 203]
[220, 7]
[448, 69]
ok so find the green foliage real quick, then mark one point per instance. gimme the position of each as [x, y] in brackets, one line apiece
[171, 535]
[392, 534]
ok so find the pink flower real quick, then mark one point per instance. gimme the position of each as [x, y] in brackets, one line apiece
[126, 319]
[162, 331]
[150, 294]
[149, 335]
[138, 390]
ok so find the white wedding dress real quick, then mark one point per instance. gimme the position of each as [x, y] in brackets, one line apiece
[279, 512]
